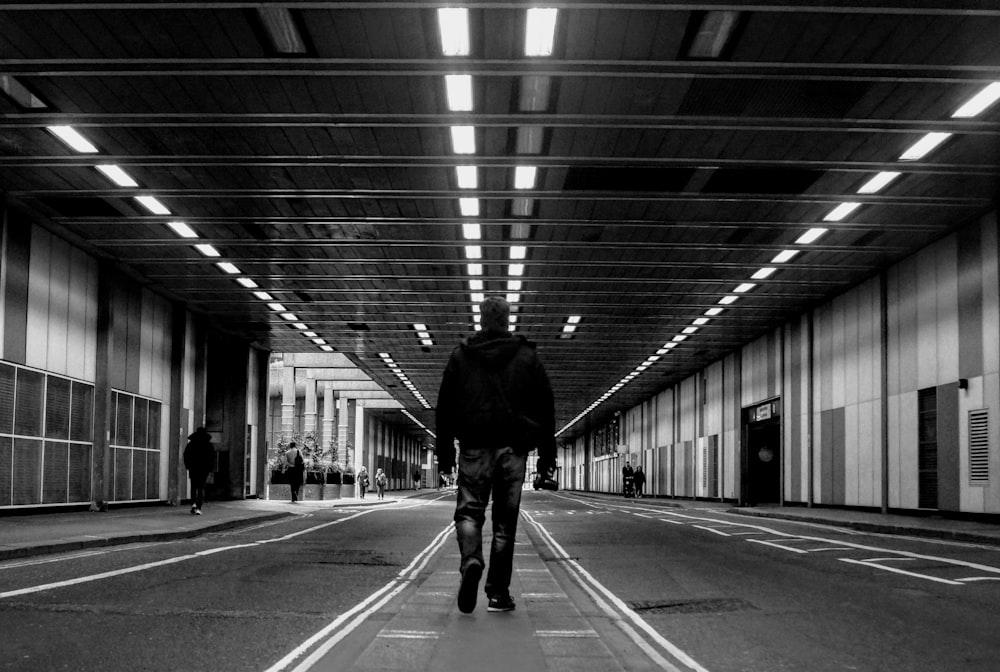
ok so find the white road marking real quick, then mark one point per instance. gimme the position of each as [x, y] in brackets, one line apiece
[712, 529]
[781, 546]
[565, 633]
[895, 570]
[408, 634]
[334, 632]
[602, 596]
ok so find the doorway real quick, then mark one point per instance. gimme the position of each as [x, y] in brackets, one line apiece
[762, 454]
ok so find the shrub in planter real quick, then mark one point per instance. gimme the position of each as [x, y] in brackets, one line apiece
[333, 477]
[278, 476]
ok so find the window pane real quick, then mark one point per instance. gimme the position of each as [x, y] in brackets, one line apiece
[28, 404]
[6, 398]
[27, 479]
[154, 425]
[140, 416]
[123, 434]
[57, 408]
[82, 414]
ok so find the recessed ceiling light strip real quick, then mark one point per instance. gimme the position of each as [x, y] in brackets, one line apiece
[391, 364]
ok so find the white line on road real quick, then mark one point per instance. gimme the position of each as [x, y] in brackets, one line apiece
[712, 529]
[782, 547]
[896, 570]
[601, 596]
[336, 630]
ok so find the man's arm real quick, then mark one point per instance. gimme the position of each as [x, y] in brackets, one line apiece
[444, 423]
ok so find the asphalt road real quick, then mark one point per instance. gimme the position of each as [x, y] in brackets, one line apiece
[709, 591]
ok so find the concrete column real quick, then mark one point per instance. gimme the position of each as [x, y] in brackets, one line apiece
[329, 417]
[342, 434]
[360, 450]
[287, 401]
[309, 417]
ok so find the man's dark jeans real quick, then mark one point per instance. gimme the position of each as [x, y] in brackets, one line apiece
[482, 472]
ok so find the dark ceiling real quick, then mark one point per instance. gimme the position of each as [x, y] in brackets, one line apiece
[679, 148]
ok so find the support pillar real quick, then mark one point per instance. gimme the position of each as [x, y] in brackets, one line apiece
[343, 459]
[329, 417]
[360, 452]
[287, 401]
[309, 416]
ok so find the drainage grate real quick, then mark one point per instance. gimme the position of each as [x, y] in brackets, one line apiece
[705, 606]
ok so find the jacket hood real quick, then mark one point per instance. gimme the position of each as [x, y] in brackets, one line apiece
[493, 349]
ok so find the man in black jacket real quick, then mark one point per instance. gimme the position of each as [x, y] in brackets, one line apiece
[199, 459]
[496, 399]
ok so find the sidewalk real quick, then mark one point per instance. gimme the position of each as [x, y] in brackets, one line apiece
[31, 534]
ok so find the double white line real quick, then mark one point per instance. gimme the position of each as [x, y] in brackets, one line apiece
[323, 641]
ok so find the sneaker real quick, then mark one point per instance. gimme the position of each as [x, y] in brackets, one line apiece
[194, 510]
[501, 603]
[469, 588]
[197, 512]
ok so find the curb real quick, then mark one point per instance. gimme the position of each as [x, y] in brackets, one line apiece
[139, 537]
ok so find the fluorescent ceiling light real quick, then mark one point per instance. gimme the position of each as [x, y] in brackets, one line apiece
[473, 252]
[281, 30]
[207, 250]
[783, 256]
[522, 207]
[512, 319]
[423, 334]
[642, 367]
[71, 137]
[117, 175]
[459, 88]
[475, 269]
[534, 93]
[714, 32]
[476, 285]
[319, 341]
[924, 146]
[669, 346]
[20, 94]
[247, 282]
[228, 267]
[809, 236]
[524, 177]
[689, 330]
[662, 351]
[300, 326]
[182, 229]
[700, 321]
[385, 355]
[468, 177]
[472, 231]
[276, 307]
[841, 211]
[463, 139]
[153, 205]
[979, 102]
[726, 300]
[513, 298]
[745, 287]
[712, 312]
[289, 316]
[574, 319]
[427, 342]
[477, 298]
[516, 269]
[418, 326]
[453, 24]
[529, 140]
[514, 285]
[518, 251]
[469, 207]
[310, 334]
[680, 337]
[879, 182]
[764, 273]
[326, 348]
[263, 296]
[540, 31]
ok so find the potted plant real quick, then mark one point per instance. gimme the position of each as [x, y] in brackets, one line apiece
[347, 489]
[334, 481]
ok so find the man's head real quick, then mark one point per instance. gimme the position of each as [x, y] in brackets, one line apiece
[495, 313]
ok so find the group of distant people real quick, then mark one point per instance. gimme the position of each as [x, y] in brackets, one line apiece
[633, 480]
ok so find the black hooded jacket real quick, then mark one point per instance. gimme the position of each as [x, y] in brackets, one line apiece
[493, 388]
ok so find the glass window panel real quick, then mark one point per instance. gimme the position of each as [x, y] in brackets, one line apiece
[28, 403]
[7, 374]
[123, 424]
[55, 472]
[154, 425]
[27, 481]
[79, 472]
[140, 415]
[6, 466]
[123, 474]
[81, 426]
[57, 400]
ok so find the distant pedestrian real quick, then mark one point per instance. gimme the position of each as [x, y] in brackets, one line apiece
[296, 470]
[416, 477]
[628, 480]
[496, 399]
[199, 460]
[380, 482]
[640, 480]
[362, 481]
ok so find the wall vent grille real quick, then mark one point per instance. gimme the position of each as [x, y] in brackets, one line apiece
[979, 447]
